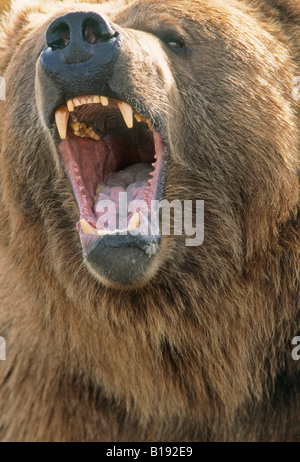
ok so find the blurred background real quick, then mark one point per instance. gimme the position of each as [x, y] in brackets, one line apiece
[3, 3]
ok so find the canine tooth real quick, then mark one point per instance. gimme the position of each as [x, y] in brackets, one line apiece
[90, 101]
[70, 105]
[62, 117]
[96, 99]
[104, 100]
[87, 228]
[127, 113]
[134, 221]
[139, 118]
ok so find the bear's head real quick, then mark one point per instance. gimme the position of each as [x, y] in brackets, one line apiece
[124, 105]
[110, 109]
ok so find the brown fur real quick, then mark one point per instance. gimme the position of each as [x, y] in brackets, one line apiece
[203, 351]
[3, 3]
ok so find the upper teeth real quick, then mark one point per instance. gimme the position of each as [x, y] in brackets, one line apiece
[127, 113]
[63, 113]
[62, 117]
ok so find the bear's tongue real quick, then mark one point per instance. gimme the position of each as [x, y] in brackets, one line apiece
[121, 193]
[132, 180]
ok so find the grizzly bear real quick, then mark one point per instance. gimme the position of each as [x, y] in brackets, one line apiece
[116, 331]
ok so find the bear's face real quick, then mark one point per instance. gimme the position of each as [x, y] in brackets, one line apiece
[124, 336]
[110, 134]
[154, 102]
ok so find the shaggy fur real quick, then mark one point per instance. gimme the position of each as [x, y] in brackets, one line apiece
[202, 351]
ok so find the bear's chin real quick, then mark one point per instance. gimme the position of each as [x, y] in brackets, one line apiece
[122, 261]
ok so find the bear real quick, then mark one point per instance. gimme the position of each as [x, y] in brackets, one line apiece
[113, 332]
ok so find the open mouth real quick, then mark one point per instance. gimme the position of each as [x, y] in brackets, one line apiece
[116, 161]
[110, 150]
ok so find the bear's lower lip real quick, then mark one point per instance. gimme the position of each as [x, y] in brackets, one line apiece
[116, 166]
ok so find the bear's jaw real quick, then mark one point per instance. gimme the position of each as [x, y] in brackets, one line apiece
[115, 160]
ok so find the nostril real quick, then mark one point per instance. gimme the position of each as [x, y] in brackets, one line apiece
[78, 37]
[58, 36]
[95, 31]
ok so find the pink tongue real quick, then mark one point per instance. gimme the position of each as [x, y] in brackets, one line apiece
[133, 181]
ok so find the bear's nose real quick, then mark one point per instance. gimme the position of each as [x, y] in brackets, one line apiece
[75, 35]
[82, 49]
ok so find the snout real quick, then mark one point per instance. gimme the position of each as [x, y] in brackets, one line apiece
[82, 48]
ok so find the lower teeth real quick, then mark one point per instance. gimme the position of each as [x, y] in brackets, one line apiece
[134, 223]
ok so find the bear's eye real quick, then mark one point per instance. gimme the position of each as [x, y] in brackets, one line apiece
[173, 41]
[174, 44]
